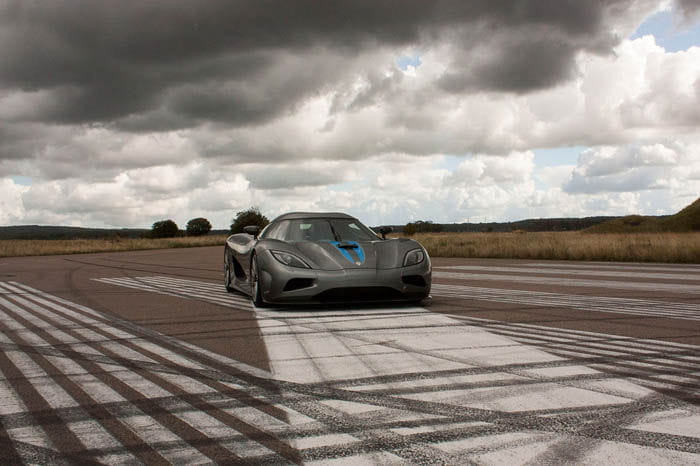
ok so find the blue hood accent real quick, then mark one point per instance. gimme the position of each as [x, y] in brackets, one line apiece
[357, 249]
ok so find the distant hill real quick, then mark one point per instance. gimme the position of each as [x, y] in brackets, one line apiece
[60, 232]
[532, 224]
[686, 220]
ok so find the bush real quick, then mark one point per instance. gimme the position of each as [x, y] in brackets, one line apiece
[633, 220]
[198, 226]
[409, 229]
[244, 218]
[164, 229]
[421, 227]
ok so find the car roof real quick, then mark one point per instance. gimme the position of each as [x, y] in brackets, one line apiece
[304, 215]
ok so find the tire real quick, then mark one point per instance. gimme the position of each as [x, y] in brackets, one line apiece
[255, 291]
[227, 273]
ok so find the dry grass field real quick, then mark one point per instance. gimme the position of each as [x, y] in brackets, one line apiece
[636, 247]
[10, 248]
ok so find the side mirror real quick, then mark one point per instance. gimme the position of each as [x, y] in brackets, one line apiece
[385, 231]
[252, 230]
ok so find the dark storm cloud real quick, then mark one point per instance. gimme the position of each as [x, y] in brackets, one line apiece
[174, 64]
[18, 140]
[690, 9]
[514, 64]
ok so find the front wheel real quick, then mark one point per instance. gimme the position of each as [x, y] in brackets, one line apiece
[255, 290]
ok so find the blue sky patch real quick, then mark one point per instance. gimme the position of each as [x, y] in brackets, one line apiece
[557, 156]
[408, 60]
[668, 33]
[22, 180]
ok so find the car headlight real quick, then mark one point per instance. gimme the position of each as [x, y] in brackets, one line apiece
[289, 259]
[413, 257]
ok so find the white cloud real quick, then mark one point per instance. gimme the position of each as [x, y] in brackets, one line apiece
[11, 208]
[633, 168]
[371, 139]
[554, 176]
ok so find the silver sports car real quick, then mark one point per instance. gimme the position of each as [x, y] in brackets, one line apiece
[324, 257]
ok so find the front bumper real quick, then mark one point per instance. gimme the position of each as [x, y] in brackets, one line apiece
[351, 285]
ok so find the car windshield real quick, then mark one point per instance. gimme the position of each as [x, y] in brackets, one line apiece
[328, 229]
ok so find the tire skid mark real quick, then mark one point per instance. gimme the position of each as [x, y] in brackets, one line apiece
[209, 286]
[203, 442]
[17, 438]
[308, 399]
[524, 420]
[203, 375]
[207, 360]
[599, 359]
[619, 360]
[421, 453]
[124, 391]
[573, 358]
[524, 377]
[16, 452]
[641, 357]
[174, 386]
[372, 439]
[573, 449]
[678, 359]
[57, 430]
[620, 374]
[315, 325]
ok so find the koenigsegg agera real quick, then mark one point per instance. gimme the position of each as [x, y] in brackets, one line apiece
[324, 257]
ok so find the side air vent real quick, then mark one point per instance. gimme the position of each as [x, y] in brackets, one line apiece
[298, 284]
[415, 280]
[237, 269]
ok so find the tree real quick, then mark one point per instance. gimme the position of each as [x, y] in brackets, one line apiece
[244, 218]
[164, 229]
[198, 226]
[409, 229]
[421, 226]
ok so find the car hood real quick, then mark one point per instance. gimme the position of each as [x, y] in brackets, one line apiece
[381, 254]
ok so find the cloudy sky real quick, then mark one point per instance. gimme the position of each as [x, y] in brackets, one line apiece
[121, 113]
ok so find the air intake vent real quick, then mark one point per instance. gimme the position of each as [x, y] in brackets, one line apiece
[298, 284]
[364, 293]
[415, 280]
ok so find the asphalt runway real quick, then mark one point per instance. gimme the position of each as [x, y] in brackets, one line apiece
[142, 357]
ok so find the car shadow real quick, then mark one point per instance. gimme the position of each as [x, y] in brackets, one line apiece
[334, 307]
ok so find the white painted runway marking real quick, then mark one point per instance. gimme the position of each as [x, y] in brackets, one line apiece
[403, 369]
[628, 266]
[628, 274]
[642, 307]
[573, 282]
[214, 294]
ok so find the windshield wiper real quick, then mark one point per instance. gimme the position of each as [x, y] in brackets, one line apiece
[335, 233]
